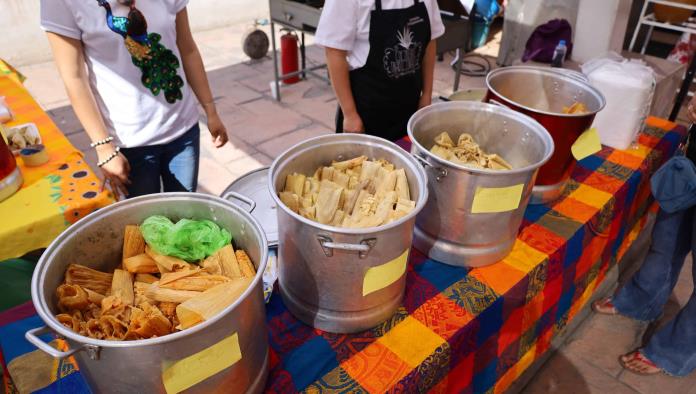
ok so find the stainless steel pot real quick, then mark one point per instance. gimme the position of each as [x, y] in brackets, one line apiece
[448, 229]
[323, 269]
[138, 366]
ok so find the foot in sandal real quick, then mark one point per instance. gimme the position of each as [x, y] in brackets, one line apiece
[637, 363]
[604, 306]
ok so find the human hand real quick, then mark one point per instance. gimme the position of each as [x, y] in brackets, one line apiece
[424, 101]
[353, 124]
[691, 110]
[217, 130]
[116, 171]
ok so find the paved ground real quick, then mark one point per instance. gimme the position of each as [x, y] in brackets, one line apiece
[261, 128]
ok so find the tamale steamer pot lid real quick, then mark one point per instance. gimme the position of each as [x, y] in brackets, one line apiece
[254, 185]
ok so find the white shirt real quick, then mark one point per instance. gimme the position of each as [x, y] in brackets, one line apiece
[133, 115]
[345, 25]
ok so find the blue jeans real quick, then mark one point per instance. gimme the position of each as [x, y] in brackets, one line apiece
[172, 167]
[673, 347]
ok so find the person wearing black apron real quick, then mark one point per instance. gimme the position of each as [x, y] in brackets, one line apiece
[396, 79]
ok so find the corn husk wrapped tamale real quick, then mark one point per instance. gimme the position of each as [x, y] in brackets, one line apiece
[122, 286]
[196, 283]
[140, 264]
[245, 265]
[166, 263]
[223, 262]
[210, 302]
[133, 242]
[159, 294]
[88, 278]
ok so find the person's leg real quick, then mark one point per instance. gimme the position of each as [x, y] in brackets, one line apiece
[644, 296]
[145, 170]
[179, 165]
[673, 347]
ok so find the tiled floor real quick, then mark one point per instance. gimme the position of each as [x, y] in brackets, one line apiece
[261, 128]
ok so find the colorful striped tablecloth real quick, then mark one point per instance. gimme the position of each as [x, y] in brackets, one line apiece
[459, 330]
[55, 194]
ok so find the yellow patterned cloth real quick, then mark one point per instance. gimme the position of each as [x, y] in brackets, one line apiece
[54, 195]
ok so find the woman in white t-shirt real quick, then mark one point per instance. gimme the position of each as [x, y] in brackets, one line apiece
[134, 97]
[381, 58]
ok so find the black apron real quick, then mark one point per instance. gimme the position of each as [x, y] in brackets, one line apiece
[388, 87]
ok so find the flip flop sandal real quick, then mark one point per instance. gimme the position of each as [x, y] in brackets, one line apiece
[645, 366]
[605, 306]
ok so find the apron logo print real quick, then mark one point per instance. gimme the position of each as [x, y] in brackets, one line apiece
[403, 58]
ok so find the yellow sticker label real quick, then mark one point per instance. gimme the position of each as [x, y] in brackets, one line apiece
[497, 199]
[586, 145]
[196, 368]
[381, 276]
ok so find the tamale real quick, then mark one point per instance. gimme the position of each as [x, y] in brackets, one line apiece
[344, 165]
[72, 297]
[148, 321]
[122, 286]
[173, 276]
[140, 264]
[88, 278]
[245, 264]
[140, 291]
[369, 170]
[291, 200]
[93, 296]
[444, 140]
[401, 188]
[113, 328]
[167, 262]
[385, 182]
[147, 278]
[328, 201]
[442, 152]
[209, 303]
[133, 242]
[196, 283]
[168, 308]
[159, 294]
[327, 174]
[341, 179]
[226, 260]
[69, 321]
[295, 183]
[309, 213]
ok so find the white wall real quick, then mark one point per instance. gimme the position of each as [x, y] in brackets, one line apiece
[23, 42]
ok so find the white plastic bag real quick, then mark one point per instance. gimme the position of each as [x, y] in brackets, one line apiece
[628, 87]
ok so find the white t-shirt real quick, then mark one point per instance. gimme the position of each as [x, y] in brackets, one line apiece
[345, 25]
[132, 113]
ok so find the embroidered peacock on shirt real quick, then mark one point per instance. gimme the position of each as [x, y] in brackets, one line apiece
[157, 63]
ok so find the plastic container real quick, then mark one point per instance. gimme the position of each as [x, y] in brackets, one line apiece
[559, 54]
[628, 87]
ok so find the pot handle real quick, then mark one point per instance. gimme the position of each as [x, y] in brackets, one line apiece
[230, 196]
[441, 172]
[33, 337]
[363, 248]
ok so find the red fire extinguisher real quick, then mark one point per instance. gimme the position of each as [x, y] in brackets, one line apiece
[289, 59]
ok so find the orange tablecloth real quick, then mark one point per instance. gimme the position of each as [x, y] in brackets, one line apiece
[54, 195]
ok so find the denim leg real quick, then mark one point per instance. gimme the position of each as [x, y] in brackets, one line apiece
[145, 170]
[180, 162]
[646, 294]
[673, 347]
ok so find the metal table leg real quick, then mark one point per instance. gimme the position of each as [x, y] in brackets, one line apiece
[684, 90]
[460, 63]
[303, 56]
[276, 94]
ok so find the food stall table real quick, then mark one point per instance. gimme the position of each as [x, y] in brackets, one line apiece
[459, 330]
[54, 195]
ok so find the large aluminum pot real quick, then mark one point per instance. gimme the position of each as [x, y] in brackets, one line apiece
[323, 269]
[542, 93]
[449, 229]
[138, 366]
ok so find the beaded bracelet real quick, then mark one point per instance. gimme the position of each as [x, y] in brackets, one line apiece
[111, 157]
[101, 142]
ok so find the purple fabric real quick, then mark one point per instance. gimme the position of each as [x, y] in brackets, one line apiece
[545, 38]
